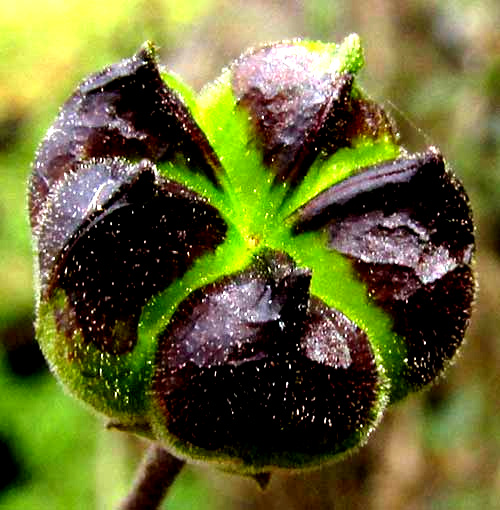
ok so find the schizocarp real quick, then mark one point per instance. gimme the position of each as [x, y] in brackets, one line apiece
[252, 274]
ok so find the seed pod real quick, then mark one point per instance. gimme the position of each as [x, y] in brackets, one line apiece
[253, 278]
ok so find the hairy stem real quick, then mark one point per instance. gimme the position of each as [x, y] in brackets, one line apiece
[155, 475]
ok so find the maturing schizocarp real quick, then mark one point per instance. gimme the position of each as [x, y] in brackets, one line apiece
[252, 274]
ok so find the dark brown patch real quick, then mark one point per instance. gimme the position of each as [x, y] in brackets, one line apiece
[431, 318]
[248, 368]
[146, 233]
[300, 112]
[125, 110]
[407, 226]
[241, 317]
[66, 322]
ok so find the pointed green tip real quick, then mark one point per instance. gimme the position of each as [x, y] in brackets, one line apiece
[346, 57]
[350, 55]
[148, 51]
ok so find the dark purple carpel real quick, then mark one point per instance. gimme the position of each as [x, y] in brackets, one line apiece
[300, 112]
[254, 367]
[77, 200]
[407, 227]
[126, 110]
[115, 234]
[431, 317]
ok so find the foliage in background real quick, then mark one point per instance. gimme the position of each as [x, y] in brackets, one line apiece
[438, 66]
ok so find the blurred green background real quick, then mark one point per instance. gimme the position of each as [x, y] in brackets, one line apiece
[435, 64]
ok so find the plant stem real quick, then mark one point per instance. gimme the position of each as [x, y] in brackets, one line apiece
[155, 475]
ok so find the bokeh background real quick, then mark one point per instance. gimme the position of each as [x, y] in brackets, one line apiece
[435, 64]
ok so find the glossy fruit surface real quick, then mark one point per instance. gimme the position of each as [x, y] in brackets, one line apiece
[252, 274]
